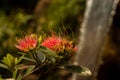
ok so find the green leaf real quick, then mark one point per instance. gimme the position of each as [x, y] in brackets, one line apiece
[19, 77]
[48, 51]
[11, 60]
[23, 53]
[10, 57]
[79, 70]
[41, 56]
[20, 59]
[29, 59]
[40, 39]
[44, 54]
[3, 66]
[52, 59]
[8, 60]
[16, 61]
[26, 70]
[29, 70]
[21, 66]
[4, 61]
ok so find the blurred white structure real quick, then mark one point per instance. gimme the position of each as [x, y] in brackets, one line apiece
[97, 20]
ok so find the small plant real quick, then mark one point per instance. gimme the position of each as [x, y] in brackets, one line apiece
[37, 53]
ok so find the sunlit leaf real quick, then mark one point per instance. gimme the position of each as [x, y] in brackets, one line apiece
[16, 60]
[3, 66]
[40, 39]
[79, 70]
[5, 60]
[10, 57]
[8, 60]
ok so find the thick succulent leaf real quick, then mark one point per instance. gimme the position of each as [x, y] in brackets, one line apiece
[44, 54]
[41, 56]
[79, 70]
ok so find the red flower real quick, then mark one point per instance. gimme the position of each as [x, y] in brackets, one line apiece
[59, 45]
[27, 43]
[52, 41]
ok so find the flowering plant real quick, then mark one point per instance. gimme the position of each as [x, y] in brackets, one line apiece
[43, 54]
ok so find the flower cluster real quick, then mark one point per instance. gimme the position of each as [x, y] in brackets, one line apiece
[59, 45]
[55, 43]
[41, 58]
[51, 42]
[28, 43]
